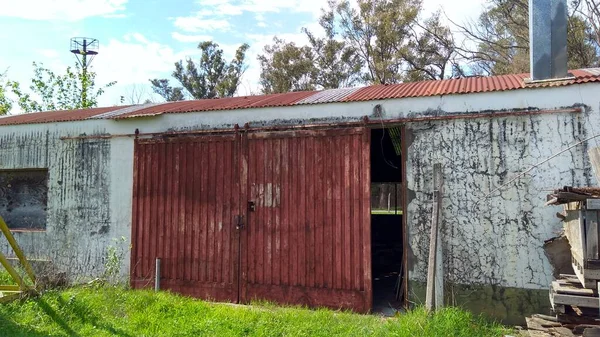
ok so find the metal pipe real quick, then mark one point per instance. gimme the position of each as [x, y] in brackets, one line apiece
[157, 276]
[364, 122]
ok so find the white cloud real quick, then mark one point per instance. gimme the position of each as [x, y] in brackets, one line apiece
[260, 20]
[190, 38]
[49, 53]
[66, 10]
[133, 60]
[263, 6]
[196, 24]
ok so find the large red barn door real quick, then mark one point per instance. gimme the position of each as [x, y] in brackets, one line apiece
[308, 235]
[185, 205]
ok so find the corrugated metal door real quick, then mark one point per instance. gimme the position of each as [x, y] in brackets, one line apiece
[308, 239]
[185, 202]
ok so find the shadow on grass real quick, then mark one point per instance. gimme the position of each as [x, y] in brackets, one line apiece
[9, 328]
[86, 316]
[55, 317]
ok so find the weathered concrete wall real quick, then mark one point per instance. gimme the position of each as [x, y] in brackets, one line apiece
[79, 221]
[495, 241]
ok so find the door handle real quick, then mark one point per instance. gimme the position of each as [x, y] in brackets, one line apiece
[239, 222]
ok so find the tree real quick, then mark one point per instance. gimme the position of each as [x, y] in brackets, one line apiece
[338, 63]
[286, 67]
[379, 30]
[135, 94]
[5, 103]
[170, 94]
[431, 51]
[50, 91]
[498, 43]
[210, 78]
[589, 10]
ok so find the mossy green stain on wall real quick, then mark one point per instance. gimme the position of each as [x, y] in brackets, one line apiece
[507, 305]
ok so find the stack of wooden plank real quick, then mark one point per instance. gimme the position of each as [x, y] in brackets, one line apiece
[544, 326]
[569, 297]
[574, 298]
[575, 307]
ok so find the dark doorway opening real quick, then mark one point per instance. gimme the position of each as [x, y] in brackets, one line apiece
[387, 249]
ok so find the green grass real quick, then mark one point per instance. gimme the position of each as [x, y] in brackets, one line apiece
[110, 311]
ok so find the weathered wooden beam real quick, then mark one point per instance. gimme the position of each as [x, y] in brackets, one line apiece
[591, 235]
[580, 301]
[594, 155]
[571, 290]
[11, 287]
[13, 273]
[433, 241]
[17, 249]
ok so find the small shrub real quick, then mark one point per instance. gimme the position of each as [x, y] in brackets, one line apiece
[115, 254]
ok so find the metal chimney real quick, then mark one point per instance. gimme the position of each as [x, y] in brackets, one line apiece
[548, 39]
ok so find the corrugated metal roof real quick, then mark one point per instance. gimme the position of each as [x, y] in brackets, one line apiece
[376, 92]
[124, 110]
[229, 103]
[328, 96]
[593, 71]
[55, 116]
[439, 88]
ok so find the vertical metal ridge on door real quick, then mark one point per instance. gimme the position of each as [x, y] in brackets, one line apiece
[308, 240]
[184, 206]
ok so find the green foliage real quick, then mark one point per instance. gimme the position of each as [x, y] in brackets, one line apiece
[108, 311]
[5, 103]
[378, 42]
[115, 254]
[501, 37]
[430, 53]
[338, 63]
[50, 91]
[212, 77]
[379, 30]
[169, 93]
[286, 67]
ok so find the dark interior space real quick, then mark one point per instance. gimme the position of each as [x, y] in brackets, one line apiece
[386, 220]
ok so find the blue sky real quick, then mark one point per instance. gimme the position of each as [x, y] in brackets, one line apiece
[141, 39]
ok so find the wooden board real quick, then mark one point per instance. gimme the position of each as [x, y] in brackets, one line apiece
[563, 287]
[574, 230]
[580, 301]
[591, 235]
[594, 154]
[562, 331]
[591, 332]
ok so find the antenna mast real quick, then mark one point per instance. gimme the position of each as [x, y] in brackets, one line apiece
[83, 47]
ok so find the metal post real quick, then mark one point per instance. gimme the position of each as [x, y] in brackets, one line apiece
[157, 276]
[84, 81]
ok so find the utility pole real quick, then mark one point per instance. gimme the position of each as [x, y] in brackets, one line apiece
[83, 47]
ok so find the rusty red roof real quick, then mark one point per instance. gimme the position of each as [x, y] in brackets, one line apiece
[228, 103]
[54, 116]
[375, 92]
